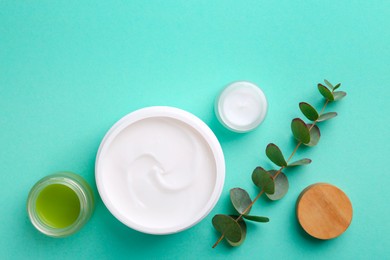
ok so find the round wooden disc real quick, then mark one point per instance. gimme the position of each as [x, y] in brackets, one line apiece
[324, 211]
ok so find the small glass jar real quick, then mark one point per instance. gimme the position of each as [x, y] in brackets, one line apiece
[241, 106]
[60, 204]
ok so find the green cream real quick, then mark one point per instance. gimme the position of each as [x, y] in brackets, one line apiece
[58, 206]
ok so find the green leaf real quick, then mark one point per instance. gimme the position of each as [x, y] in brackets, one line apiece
[300, 130]
[339, 95]
[304, 161]
[242, 224]
[275, 155]
[315, 135]
[227, 226]
[336, 87]
[328, 84]
[257, 218]
[281, 186]
[309, 111]
[326, 116]
[262, 179]
[240, 200]
[325, 92]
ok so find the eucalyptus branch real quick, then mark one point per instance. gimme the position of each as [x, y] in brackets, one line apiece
[274, 183]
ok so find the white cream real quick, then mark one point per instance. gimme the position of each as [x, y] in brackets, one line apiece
[241, 106]
[160, 170]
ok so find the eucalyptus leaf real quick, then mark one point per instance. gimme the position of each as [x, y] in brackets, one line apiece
[325, 92]
[242, 224]
[227, 226]
[336, 87]
[339, 95]
[309, 111]
[328, 84]
[240, 200]
[262, 179]
[326, 116]
[300, 130]
[275, 155]
[304, 161]
[315, 135]
[281, 186]
[256, 218]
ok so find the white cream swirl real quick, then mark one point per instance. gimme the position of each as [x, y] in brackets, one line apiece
[161, 171]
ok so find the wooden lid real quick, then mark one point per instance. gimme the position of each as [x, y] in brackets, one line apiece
[324, 211]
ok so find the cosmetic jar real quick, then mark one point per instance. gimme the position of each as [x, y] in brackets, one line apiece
[60, 204]
[160, 170]
[241, 106]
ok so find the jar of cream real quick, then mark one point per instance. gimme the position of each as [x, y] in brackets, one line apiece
[160, 170]
[241, 106]
[60, 204]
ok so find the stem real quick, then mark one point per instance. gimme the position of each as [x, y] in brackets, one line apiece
[250, 205]
[273, 177]
[295, 150]
[323, 108]
[219, 240]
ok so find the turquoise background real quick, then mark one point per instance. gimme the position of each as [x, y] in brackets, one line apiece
[69, 70]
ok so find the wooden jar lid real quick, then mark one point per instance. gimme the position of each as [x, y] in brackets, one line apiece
[324, 211]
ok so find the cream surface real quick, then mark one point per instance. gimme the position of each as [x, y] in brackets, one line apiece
[159, 173]
[242, 106]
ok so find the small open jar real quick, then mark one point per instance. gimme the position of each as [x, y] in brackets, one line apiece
[60, 204]
[241, 106]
